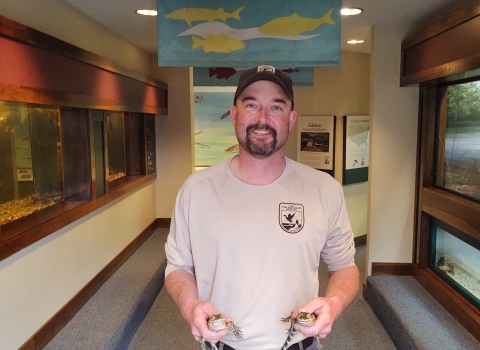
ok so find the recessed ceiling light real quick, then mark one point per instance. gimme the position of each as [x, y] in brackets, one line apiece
[147, 12]
[354, 41]
[350, 11]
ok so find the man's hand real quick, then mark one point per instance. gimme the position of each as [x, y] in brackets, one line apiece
[342, 287]
[323, 308]
[182, 288]
[198, 317]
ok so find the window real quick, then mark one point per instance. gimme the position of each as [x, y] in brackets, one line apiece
[447, 240]
[458, 140]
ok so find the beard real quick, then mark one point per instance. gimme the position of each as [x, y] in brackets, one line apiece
[262, 148]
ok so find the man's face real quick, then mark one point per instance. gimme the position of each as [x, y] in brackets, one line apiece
[263, 118]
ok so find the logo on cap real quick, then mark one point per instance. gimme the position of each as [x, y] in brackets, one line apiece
[266, 68]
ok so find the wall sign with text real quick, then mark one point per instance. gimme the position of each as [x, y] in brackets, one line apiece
[356, 137]
[316, 142]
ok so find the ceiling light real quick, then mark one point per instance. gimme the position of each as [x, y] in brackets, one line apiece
[350, 11]
[147, 12]
[354, 41]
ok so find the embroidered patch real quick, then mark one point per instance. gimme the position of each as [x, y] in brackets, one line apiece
[290, 217]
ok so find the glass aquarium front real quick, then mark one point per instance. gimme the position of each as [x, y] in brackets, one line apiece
[116, 145]
[458, 145]
[455, 257]
[30, 159]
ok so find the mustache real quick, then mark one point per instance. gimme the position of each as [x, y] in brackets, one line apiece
[261, 126]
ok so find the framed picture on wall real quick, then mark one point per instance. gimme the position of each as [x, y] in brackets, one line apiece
[316, 142]
[356, 137]
[215, 139]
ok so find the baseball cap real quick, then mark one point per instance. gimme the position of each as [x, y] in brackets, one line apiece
[264, 72]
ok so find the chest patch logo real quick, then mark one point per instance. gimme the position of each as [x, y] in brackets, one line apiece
[291, 217]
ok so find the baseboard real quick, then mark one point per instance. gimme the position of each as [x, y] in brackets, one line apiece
[164, 222]
[395, 269]
[53, 326]
[360, 240]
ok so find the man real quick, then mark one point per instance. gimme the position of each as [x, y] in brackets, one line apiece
[247, 235]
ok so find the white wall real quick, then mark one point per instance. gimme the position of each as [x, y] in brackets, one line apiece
[175, 149]
[394, 114]
[339, 90]
[37, 281]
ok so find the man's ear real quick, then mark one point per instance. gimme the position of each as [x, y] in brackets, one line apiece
[233, 115]
[292, 119]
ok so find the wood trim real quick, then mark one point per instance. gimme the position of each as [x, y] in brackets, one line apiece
[20, 235]
[16, 93]
[452, 209]
[53, 326]
[164, 222]
[464, 312]
[451, 21]
[22, 33]
[451, 68]
[456, 18]
[360, 240]
[392, 269]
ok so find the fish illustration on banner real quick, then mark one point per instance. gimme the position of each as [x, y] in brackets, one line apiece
[229, 76]
[215, 33]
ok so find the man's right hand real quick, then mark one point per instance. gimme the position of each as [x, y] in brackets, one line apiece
[198, 317]
[182, 288]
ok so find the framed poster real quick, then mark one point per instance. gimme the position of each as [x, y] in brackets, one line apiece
[316, 141]
[215, 139]
[356, 136]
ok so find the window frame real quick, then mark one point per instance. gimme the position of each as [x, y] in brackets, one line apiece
[432, 201]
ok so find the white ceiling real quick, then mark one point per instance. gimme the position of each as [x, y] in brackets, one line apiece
[120, 17]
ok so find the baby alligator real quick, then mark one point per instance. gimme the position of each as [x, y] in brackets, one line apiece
[217, 323]
[303, 318]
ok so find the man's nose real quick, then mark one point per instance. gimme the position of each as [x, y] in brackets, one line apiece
[262, 116]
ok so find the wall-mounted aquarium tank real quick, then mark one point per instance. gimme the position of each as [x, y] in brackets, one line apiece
[455, 257]
[115, 145]
[30, 159]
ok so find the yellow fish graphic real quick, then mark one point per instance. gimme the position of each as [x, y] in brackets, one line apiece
[221, 43]
[294, 25]
[192, 14]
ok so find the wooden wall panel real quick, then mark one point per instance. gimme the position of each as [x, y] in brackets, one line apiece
[448, 47]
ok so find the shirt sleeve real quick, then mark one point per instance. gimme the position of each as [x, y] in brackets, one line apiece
[339, 249]
[178, 248]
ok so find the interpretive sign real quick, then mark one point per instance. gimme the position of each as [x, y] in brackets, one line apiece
[316, 140]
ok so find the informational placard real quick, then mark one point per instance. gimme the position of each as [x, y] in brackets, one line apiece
[316, 140]
[356, 136]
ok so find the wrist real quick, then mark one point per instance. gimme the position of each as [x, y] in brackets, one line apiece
[337, 305]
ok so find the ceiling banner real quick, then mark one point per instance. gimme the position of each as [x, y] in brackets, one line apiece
[228, 76]
[218, 33]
